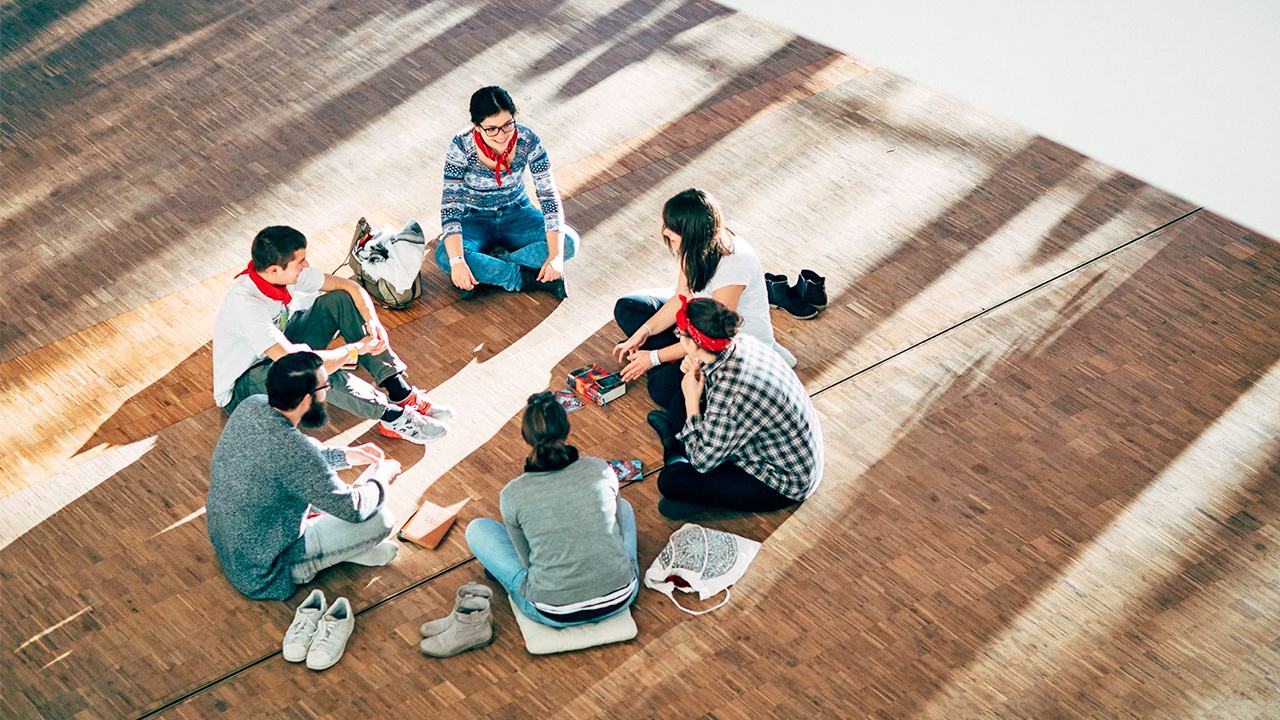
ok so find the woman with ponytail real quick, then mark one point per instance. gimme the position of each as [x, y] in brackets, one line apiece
[743, 433]
[712, 262]
[566, 547]
[493, 235]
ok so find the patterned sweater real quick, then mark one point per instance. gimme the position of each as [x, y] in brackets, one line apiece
[469, 185]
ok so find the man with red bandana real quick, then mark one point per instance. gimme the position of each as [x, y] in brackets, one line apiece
[281, 305]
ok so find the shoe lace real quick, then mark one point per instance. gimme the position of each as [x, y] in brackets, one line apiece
[301, 624]
[325, 633]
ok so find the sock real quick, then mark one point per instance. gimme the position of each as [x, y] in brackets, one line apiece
[392, 414]
[380, 554]
[397, 389]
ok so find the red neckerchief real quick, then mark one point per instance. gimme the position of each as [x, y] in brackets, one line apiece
[499, 160]
[275, 292]
[702, 341]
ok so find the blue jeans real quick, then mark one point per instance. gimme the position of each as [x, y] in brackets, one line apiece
[519, 228]
[492, 545]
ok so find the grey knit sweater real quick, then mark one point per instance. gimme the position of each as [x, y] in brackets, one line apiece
[564, 525]
[264, 475]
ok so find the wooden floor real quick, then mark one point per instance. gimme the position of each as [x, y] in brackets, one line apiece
[1050, 392]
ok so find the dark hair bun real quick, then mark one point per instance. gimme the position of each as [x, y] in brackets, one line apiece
[713, 319]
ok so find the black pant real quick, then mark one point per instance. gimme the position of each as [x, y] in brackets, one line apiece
[725, 486]
[630, 313]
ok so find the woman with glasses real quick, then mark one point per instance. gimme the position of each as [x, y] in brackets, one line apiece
[750, 438]
[493, 235]
[566, 547]
[712, 262]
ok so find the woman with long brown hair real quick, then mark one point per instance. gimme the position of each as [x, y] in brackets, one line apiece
[713, 262]
[566, 547]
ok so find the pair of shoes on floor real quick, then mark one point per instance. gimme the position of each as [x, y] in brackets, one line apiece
[421, 422]
[319, 632]
[529, 282]
[467, 627]
[802, 300]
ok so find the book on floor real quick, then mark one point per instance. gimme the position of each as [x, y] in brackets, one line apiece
[595, 382]
[429, 523]
[568, 400]
[627, 470]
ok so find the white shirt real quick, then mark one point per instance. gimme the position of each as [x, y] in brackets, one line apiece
[249, 323]
[742, 267]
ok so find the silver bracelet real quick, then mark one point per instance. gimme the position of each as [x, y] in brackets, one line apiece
[653, 358]
[455, 261]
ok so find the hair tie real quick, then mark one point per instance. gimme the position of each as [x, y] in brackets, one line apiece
[699, 339]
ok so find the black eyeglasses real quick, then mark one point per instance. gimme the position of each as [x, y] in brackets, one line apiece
[325, 386]
[494, 131]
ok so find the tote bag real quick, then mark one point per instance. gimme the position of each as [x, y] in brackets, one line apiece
[701, 560]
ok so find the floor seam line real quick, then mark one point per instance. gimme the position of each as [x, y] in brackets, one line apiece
[1006, 301]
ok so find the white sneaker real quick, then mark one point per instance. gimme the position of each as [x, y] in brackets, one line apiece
[419, 401]
[414, 427]
[331, 636]
[297, 639]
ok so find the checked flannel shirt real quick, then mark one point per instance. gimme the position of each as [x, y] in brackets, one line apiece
[756, 415]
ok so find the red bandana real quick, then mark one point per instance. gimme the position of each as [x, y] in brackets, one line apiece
[275, 292]
[499, 160]
[702, 341]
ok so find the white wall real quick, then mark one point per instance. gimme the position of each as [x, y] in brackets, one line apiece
[1184, 94]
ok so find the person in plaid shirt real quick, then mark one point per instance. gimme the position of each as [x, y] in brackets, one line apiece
[751, 439]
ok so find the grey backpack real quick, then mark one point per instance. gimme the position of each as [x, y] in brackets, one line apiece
[382, 291]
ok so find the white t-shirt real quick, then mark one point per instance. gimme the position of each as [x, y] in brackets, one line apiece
[249, 323]
[742, 267]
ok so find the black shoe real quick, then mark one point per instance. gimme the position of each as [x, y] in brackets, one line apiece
[795, 306]
[660, 421]
[529, 282]
[812, 288]
[776, 285]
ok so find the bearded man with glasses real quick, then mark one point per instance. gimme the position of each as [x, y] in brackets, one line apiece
[277, 512]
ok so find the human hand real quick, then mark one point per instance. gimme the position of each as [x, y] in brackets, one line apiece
[378, 333]
[552, 269]
[387, 470]
[625, 348]
[639, 364]
[694, 381]
[365, 345]
[462, 277]
[365, 454]
[689, 363]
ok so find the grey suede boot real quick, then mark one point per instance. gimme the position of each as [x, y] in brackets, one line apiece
[435, 627]
[472, 627]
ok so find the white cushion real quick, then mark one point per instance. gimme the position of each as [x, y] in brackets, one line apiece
[542, 639]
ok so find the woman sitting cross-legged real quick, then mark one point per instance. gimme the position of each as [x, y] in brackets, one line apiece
[493, 234]
[751, 440]
[567, 551]
[713, 263]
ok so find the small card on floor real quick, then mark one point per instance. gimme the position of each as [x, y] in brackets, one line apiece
[568, 400]
[627, 470]
[428, 525]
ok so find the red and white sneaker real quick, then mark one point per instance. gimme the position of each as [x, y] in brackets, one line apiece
[414, 427]
[418, 401]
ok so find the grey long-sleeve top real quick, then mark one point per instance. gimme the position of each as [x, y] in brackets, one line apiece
[264, 475]
[564, 525]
